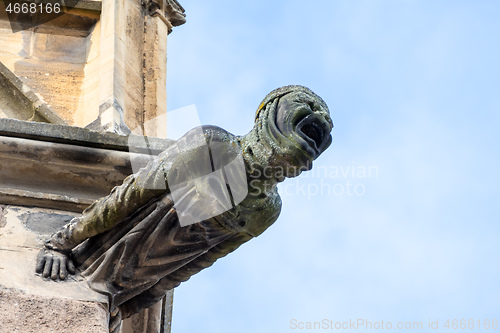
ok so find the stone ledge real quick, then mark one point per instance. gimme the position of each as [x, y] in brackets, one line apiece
[81, 137]
[78, 165]
[11, 196]
[22, 233]
[30, 304]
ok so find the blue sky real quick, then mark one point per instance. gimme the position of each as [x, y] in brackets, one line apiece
[414, 92]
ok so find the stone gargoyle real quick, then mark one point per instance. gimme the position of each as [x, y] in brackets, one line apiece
[199, 200]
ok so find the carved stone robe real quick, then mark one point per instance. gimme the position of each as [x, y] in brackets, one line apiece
[140, 248]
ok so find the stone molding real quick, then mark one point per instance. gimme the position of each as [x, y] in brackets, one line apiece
[64, 167]
[20, 102]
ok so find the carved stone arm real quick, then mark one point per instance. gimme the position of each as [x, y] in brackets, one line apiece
[136, 191]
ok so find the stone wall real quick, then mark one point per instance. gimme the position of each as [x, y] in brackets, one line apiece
[29, 303]
[48, 175]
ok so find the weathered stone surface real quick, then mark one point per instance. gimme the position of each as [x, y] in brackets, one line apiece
[51, 59]
[78, 165]
[26, 313]
[29, 304]
[155, 94]
[81, 137]
[17, 100]
[23, 146]
[148, 321]
[70, 173]
[81, 67]
[127, 95]
[21, 237]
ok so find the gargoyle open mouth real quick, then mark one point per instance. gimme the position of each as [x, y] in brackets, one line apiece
[314, 131]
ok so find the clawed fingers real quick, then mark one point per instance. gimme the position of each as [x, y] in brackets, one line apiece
[40, 263]
[48, 267]
[71, 267]
[54, 264]
[55, 269]
[62, 270]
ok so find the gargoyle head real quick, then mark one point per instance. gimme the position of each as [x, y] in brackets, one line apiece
[295, 124]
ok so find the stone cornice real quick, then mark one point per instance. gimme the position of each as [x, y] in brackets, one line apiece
[63, 167]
